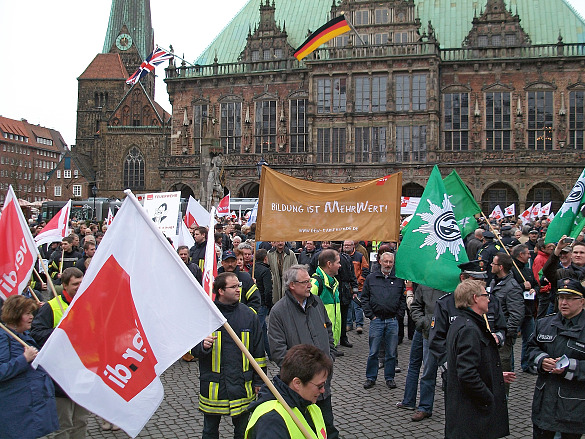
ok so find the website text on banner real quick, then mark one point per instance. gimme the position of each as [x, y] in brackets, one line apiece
[293, 209]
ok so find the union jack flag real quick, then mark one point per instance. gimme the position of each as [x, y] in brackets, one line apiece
[154, 59]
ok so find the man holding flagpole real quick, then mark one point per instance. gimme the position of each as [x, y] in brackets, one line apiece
[228, 384]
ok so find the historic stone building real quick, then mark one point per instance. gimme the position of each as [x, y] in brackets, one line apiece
[486, 87]
[121, 131]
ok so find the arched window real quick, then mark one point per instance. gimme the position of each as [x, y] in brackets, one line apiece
[498, 194]
[412, 190]
[134, 169]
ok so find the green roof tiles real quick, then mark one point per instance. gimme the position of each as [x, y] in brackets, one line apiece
[541, 19]
[135, 15]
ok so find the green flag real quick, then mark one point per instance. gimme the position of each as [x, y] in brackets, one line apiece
[567, 218]
[464, 205]
[432, 246]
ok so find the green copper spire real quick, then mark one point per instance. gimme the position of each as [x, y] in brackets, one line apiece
[135, 16]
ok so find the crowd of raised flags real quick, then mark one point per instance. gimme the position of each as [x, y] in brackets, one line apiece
[108, 312]
[531, 213]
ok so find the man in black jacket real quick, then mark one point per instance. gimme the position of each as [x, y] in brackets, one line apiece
[383, 302]
[197, 252]
[250, 294]
[263, 278]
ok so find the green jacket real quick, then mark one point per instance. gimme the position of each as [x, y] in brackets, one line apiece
[327, 288]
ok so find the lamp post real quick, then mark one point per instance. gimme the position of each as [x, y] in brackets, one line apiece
[94, 190]
[259, 165]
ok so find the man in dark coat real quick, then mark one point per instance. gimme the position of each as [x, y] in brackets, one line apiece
[263, 278]
[475, 401]
[559, 396]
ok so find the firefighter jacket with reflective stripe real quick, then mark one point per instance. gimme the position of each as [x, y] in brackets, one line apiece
[249, 293]
[226, 378]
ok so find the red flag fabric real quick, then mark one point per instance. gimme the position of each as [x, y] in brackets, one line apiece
[124, 327]
[510, 210]
[223, 208]
[57, 228]
[18, 251]
[210, 265]
[497, 213]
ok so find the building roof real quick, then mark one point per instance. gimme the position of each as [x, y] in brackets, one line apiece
[105, 66]
[135, 15]
[452, 20]
[32, 132]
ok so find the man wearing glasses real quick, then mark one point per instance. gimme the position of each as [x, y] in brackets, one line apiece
[510, 295]
[557, 350]
[229, 384]
[300, 318]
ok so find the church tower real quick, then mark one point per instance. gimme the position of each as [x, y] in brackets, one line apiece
[130, 35]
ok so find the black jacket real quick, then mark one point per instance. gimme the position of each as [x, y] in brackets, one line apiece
[553, 273]
[475, 400]
[249, 294]
[510, 295]
[197, 254]
[559, 400]
[445, 314]
[383, 296]
[529, 305]
[263, 278]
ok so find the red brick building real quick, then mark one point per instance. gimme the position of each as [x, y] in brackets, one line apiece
[27, 154]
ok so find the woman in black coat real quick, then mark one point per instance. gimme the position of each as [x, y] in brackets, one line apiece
[475, 400]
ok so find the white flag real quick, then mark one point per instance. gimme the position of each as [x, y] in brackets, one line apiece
[57, 228]
[497, 213]
[510, 210]
[210, 264]
[184, 237]
[253, 214]
[535, 211]
[545, 210]
[525, 216]
[195, 213]
[127, 325]
[110, 217]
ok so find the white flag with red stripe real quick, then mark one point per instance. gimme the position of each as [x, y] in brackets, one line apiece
[127, 324]
[210, 265]
[196, 213]
[510, 210]
[545, 210]
[110, 217]
[525, 216]
[18, 251]
[406, 220]
[497, 213]
[223, 208]
[184, 237]
[535, 211]
[57, 228]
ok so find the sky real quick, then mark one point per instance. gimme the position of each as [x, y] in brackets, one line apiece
[47, 45]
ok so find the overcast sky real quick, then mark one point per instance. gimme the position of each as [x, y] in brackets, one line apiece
[47, 45]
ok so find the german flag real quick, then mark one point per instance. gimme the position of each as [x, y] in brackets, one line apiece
[328, 31]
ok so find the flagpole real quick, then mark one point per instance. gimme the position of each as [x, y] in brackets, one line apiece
[497, 235]
[50, 281]
[13, 335]
[33, 294]
[268, 383]
[176, 56]
[355, 30]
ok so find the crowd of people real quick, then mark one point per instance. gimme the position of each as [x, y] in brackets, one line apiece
[293, 303]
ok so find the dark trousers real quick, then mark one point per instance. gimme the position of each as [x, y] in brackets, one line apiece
[327, 411]
[538, 433]
[344, 312]
[211, 426]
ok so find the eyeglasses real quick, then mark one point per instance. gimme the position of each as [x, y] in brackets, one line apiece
[304, 282]
[318, 386]
[568, 299]
[482, 295]
[239, 285]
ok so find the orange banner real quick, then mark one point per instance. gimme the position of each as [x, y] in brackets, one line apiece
[290, 209]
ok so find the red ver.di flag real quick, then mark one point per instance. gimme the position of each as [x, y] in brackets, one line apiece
[18, 251]
[223, 208]
[127, 325]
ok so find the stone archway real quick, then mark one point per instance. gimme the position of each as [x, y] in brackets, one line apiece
[249, 190]
[412, 190]
[185, 190]
[543, 193]
[500, 194]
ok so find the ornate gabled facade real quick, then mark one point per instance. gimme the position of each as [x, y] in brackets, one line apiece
[496, 95]
[121, 131]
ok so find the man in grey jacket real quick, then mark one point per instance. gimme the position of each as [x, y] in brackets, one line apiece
[300, 318]
[511, 298]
